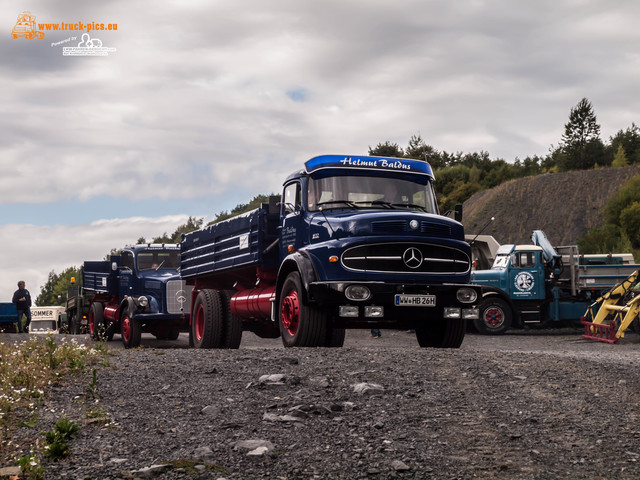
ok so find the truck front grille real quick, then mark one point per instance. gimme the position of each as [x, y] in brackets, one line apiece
[406, 258]
[178, 296]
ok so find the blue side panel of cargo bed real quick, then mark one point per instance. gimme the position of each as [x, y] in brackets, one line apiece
[8, 312]
[99, 276]
[237, 242]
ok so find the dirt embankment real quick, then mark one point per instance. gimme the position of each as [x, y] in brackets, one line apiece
[564, 205]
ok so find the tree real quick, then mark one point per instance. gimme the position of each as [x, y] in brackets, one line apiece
[630, 223]
[386, 149]
[243, 208]
[620, 160]
[581, 145]
[629, 140]
[54, 292]
[419, 150]
[626, 196]
[192, 224]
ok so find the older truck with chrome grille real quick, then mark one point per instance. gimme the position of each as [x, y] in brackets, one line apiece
[139, 290]
[354, 242]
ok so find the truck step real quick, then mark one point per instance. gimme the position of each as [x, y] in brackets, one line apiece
[600, 331]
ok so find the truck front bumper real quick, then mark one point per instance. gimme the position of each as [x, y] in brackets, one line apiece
[395, 304]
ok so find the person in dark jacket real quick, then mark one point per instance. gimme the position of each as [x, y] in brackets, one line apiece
[22, 299]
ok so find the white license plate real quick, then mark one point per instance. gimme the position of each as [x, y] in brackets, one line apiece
[415, 300]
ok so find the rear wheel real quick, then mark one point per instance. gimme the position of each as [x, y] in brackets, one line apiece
[96, 321]
[232, 328]
[442, 333]
[300, 324]
[131, 330]
[74, 325]
[495, 317]
[207, 324]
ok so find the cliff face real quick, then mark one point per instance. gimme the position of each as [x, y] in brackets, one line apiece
[563, 205]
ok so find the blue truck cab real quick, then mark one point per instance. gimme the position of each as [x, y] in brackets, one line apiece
[139, 290]
[357, 242]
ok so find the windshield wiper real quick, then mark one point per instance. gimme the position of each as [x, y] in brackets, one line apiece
[412, 205]
[393, 206]
[382, 202]
[345, 202]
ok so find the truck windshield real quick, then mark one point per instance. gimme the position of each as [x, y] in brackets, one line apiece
[158, 259]
[501, 262]
[370, 192]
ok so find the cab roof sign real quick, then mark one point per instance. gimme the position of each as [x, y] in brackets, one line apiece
[400, 165]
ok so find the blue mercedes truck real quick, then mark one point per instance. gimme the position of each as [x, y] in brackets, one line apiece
[139, 290]
[353, 242]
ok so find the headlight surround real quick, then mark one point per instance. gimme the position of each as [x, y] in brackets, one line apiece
[143, 301]
[357, 293]
[466, 295]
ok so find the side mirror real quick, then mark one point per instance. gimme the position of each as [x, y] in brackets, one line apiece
[114, 266]
[457, 215]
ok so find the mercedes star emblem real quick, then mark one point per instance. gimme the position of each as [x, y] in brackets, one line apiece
[412, 257]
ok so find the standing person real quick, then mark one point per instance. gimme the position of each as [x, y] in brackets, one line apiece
[22, 299]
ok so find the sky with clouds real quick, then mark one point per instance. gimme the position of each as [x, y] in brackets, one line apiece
[204, 105]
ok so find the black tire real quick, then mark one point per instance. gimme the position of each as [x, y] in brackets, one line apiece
[441, 333]
[232, 328]
[335, 337]
[74, 325]
[300, 325]
[96, 321]
[495, 317]
[130, 330]
[207, 321]
[173, 334]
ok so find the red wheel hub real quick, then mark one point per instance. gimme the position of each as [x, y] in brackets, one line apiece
[493, 317]
[92, 324]
[126, 328]
[199, 330]
[291, 312]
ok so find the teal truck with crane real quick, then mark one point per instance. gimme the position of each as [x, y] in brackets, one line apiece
[542, 285]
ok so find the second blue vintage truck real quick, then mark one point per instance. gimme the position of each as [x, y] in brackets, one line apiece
[139, 290]
[354, 242]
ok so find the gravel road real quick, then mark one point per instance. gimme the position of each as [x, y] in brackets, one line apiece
[528, 405]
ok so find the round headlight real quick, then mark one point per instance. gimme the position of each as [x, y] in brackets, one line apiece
[143, 301]
[357, 292]
[466, 295]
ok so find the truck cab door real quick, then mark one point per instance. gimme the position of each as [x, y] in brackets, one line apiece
[292, 225]
[126, 274]
[526, 276]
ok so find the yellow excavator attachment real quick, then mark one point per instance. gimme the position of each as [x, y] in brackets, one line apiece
[610, 315]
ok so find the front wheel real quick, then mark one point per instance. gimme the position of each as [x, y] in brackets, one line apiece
[441, 333]
[335, 337]
[495, 317]
[131, 331]
[300, 325]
